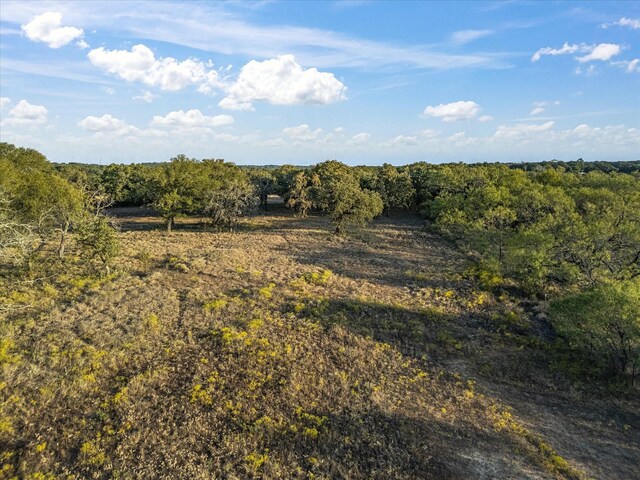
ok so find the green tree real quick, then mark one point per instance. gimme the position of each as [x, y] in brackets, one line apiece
[299, 196]
[18, 238]
[98, 237]
[38, 196]
[176, 186]
[283, 180]
[226, 206]
[395, 188]
[605, 322]
[337, 192]
[264, 183]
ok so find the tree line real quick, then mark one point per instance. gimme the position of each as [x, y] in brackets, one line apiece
[570, 235]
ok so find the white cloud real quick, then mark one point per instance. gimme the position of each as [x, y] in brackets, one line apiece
[566, 48]
[460, 139]
[485, 118]
[232, 104]
[275, 142]
[282, 81]
[633, 65]
[26, 114]
[589, 71]
[453, 112]
[539, 107]
[465, 36]
[146, 96]
[360, 138]
[4, 101]
[190, 119]
[408, 140]
[429, 133]
[630, 66]
[220, 27]
[141, 65]
[107, 124]
[302, 132]
[633, 23]
[602, 52]
[83, 44]
[521, 130]
[46, 28]
[108, 90]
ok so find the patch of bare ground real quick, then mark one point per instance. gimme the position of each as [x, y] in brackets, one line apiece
[282, 351]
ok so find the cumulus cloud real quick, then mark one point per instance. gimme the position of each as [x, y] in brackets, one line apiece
[460, 139]
[281, 81]
[190, 119]
[633, 23]
[602, 52]
[539, 139]
[566, 48]
[465, 36]
[146, 96]
[521, 130]
[403, 140]
[630, 66]
[302, 132]
[47, 28]
[107, 124]
[453, 112]
[537, 110]
[485, 118]
[141, 65]
[26, 114]
[4, 101]
[360, 138]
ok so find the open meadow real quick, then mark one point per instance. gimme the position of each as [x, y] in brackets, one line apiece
[279, 350]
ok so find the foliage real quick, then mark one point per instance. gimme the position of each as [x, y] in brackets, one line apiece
[544, 228]
[38, 206]
[605, 322]
[265, 184]
[226, 206]
[337, 192]
[98, 237]
[299, 196]
[395, 188]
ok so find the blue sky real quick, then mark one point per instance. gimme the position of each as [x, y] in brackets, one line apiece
[363, 82]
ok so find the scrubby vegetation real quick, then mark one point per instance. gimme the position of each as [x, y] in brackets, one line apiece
[426, 321]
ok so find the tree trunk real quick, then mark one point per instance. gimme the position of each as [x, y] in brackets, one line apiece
[170, 224]
[63, 240]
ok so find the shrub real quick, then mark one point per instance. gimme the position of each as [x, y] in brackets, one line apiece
[99, 238]
[604, 322]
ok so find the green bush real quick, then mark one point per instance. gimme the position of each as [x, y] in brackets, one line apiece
[604, 322]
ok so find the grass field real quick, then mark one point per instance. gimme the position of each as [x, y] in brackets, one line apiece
[282, 351]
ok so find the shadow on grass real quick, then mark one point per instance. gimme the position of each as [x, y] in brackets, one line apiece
[375, 444]
[412, 332]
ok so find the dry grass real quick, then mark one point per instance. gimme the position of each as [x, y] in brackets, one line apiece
[280, 351]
